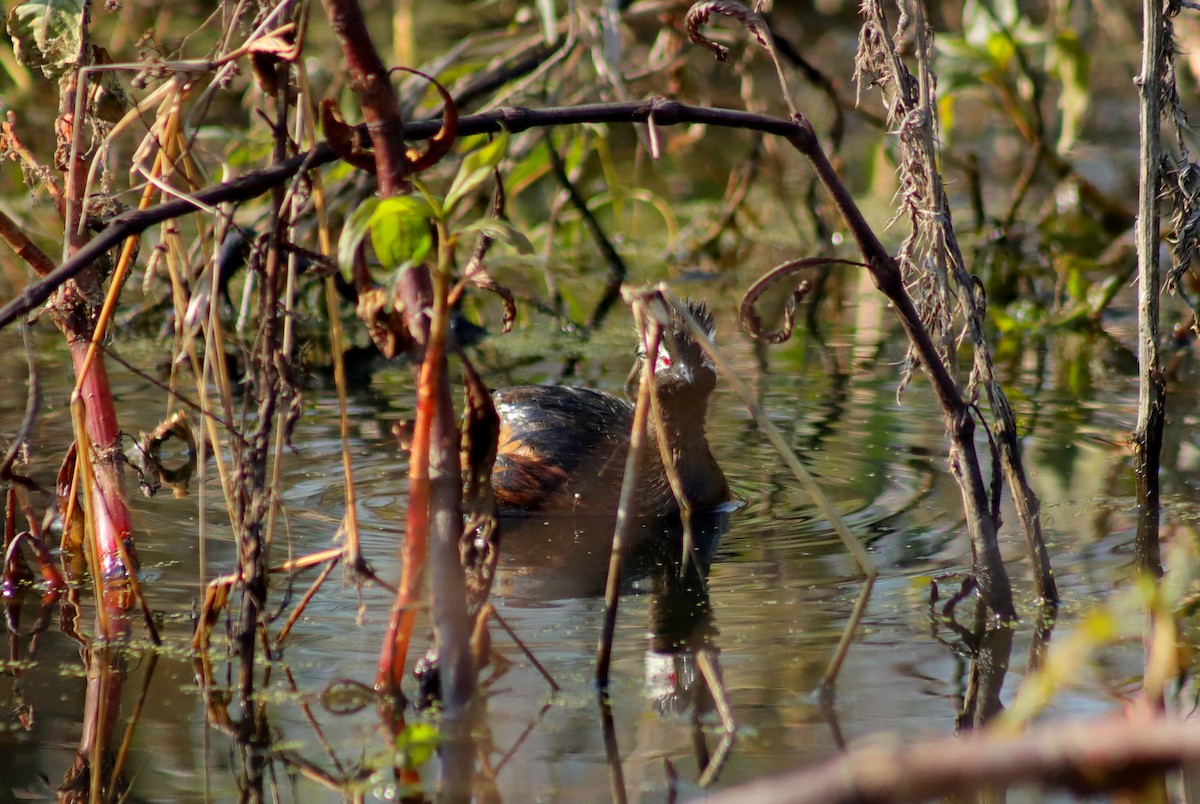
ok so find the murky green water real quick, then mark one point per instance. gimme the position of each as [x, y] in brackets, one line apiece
[780, 586]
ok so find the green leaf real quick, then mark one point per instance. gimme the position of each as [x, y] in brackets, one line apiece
[1077, 282]
[46, 34]
[1070, 63]
[945, 107]
[417, 743]
[400, 230]
[353, 233]
[476, 168]
[435, 204]
[1000, 50]
[501, 230]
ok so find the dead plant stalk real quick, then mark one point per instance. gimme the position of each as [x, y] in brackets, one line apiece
[1146, 441]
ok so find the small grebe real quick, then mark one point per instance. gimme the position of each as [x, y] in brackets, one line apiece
[563, 448]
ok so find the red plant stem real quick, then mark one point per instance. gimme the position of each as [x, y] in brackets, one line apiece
[37, 541]
[113, 522]
[76, 317]
[394, 651]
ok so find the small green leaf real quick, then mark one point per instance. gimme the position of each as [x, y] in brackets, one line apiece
[476, 168]
[353, 233]
[400, 230]
[1077, 282]
[46, 34]
[435, 203]
[417, 743]
[501, 230]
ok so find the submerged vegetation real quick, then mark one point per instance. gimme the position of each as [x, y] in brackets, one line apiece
[240, 207]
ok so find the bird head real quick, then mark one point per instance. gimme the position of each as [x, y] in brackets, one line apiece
[682, 363]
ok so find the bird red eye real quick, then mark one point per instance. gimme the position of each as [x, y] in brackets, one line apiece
[664, 359]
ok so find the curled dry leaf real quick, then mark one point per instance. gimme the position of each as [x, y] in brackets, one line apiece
[749, 317]
[441, 142]
[268, 51]
[343, 139]
[476, 272]
[72, 537]
[14, 571]
[385, 323]
[149, 463]
[480, 431]
[698, 16]
[280, 43]
[216, 598]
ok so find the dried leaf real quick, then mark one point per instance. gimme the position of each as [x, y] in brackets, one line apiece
[385, 324]
[698, 16]
[440, 143]
[749, 317]
[343, 138]
[150, 446]
[478, 275]
[281, 43]
[73, 526]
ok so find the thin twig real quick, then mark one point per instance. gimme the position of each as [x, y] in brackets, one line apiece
[651, 335]
[525, 649]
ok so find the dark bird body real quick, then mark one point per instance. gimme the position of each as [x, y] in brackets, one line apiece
[564, 448]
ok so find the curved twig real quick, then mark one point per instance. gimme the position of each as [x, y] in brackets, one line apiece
[748, 316]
